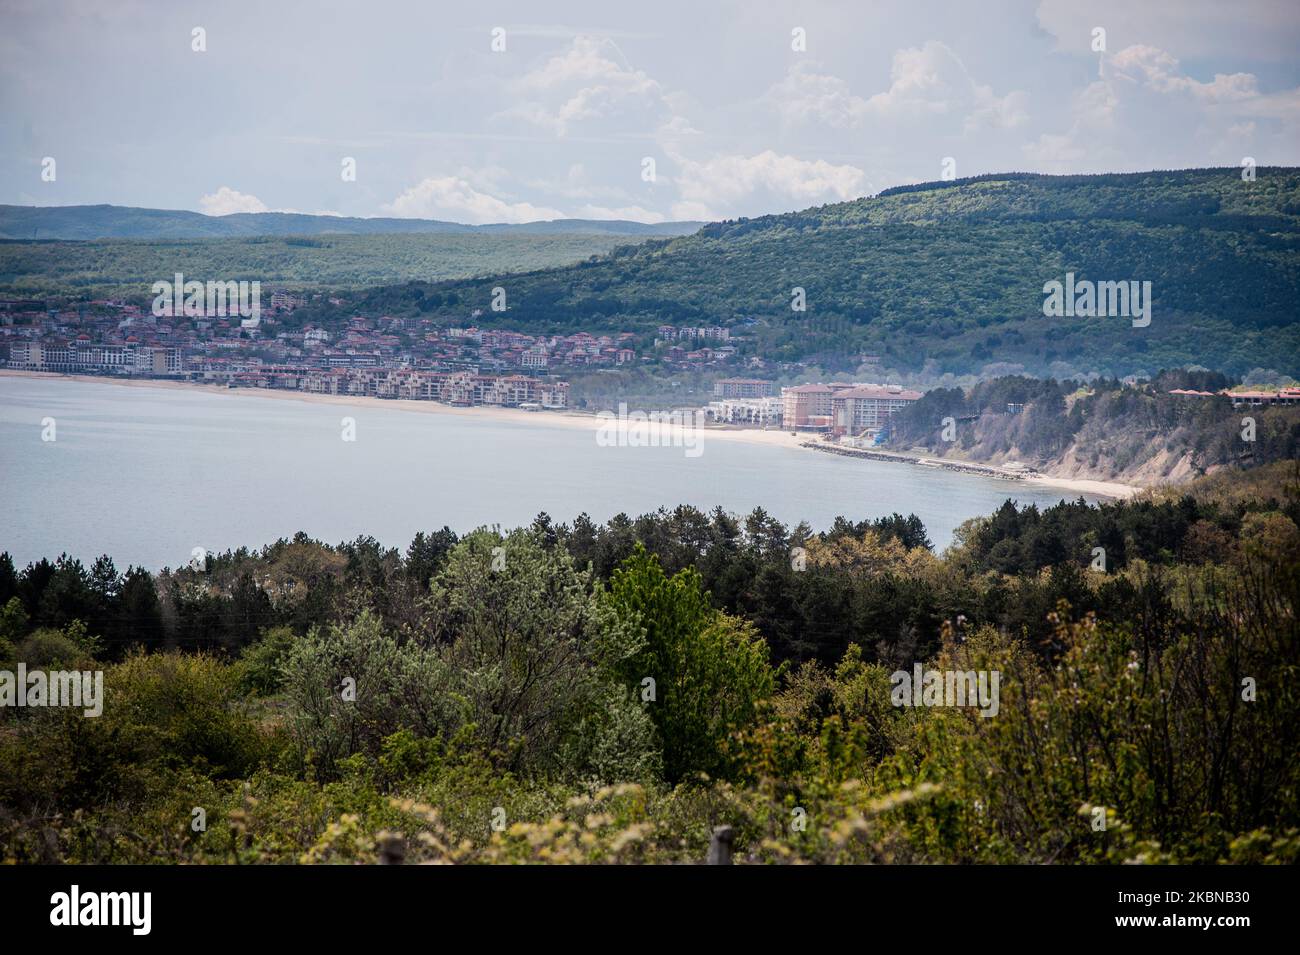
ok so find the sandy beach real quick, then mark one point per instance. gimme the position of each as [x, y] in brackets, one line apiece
[1081, 486]
[772, 437]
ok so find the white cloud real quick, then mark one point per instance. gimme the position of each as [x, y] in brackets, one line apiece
[805, 95]
[633, 213]
[453, 198]
[927, 84]
[1145, 97]
[718, 187]
[921, 83]
[585, 83]
[931, 80]
[1160, 71]
[1056, 151]
[226, 201]
[675, 129]
[997, 112]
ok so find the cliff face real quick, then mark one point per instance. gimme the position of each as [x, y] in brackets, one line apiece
[1141, 436]
[1164, 466]
[1159, 465]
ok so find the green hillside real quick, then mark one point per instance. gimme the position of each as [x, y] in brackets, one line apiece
[123, 268]
[949, 276]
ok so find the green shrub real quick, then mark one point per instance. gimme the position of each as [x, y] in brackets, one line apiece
[350, 687]
[263, 661]
[710, 671]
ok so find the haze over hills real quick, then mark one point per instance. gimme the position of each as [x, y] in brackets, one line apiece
[127, 222]
[949, 276]
[73, 271]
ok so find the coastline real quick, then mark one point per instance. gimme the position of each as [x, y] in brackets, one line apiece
[562, 419]
[1113, 489]
[772, 437]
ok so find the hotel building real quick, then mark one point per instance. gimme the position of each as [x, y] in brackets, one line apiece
[842, 409]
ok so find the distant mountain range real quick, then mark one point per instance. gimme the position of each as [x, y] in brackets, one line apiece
[127, 222]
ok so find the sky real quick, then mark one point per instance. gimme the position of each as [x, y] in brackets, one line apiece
[632, 110]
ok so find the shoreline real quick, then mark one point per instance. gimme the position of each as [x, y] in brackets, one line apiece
[581, 420]
[1113, 489]
[771, 437]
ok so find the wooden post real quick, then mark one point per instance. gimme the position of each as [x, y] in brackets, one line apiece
[720, 846]
[392, 851]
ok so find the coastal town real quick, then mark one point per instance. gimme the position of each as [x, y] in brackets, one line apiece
[463, 366]
[417, 359]
[386, 357]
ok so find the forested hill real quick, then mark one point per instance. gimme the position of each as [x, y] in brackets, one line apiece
[949, 276]
[126, 222]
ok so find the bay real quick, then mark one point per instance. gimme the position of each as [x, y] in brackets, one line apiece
[146, 475]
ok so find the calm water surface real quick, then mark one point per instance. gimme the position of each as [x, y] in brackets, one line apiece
[148, 474]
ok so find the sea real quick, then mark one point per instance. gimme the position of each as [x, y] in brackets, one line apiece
[148, 475]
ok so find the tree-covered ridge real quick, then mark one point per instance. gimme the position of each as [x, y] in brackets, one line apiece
[1151, 197]
[950, 277]
[610, 693]
[127, 268]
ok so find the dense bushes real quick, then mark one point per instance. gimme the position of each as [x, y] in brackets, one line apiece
[1007, 570]
[352, 686]
[519, 654]
[508, 701]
